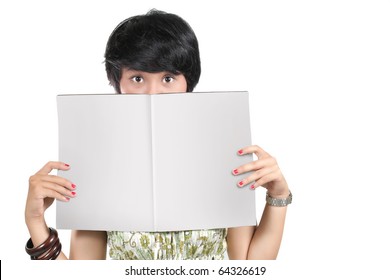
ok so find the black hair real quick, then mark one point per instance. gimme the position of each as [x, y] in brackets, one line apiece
[154, 42]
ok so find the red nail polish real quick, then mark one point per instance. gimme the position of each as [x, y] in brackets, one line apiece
[235, 171]
[253, 187]
[73, 186]
[67, 165]
[67, 198]
[73, 193]
[240, 152]
[241, 183]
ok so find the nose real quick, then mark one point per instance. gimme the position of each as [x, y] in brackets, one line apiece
[154, 88]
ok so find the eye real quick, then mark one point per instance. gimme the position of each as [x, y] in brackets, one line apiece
[168, 79]
[137, 79]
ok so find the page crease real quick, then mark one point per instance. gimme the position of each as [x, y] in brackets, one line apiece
[153, 161]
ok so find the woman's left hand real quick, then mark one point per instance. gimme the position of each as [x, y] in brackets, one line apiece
[266, 173]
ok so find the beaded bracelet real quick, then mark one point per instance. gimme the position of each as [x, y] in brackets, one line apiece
[48, 250]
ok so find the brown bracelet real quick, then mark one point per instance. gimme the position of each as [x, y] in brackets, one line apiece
[51, 252]
[48, 250]
[57, 252]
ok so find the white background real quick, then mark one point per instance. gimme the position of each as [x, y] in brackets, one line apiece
[318, 75]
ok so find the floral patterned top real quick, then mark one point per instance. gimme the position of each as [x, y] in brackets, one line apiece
[177, 245]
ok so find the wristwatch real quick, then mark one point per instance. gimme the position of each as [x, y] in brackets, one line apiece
[278, 202]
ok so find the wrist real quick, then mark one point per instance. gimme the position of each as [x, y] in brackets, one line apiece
[38, 229]
[34, 221]
[279, 195]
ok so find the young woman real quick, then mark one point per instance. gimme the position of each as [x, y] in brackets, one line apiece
[158, 53]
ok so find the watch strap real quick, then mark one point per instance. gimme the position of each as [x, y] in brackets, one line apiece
[278, 202]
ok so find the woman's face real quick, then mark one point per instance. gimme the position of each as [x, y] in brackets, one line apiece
[134, 81]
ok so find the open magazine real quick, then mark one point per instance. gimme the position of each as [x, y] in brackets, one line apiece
[160, 162]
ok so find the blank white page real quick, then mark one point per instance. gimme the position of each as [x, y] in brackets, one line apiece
[197, 136]
[155, 162]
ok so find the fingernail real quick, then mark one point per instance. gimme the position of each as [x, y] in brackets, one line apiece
[67, 198]
[73, 186]
[240, 152]
[73, 193]
[67, 165]
[253, 187]
[241, 183]
[235, 171]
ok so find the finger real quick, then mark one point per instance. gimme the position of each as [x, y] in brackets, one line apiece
[252, 149]
[255, 176]
[59, 181]
[59, 189]
[56, 195]
[266, 179]
[50, 190]
[255, 165]
[48, 167]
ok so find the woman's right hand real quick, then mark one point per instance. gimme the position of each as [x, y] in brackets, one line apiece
[44, 188]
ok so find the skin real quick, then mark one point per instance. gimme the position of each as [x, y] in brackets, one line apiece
[251, 242]
[134, 81]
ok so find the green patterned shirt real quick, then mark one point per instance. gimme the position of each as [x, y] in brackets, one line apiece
[177, 245]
